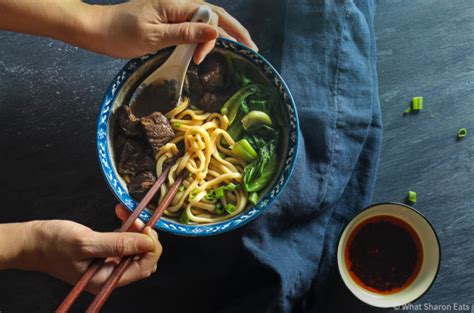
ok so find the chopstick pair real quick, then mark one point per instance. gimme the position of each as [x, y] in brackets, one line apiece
[96, 264]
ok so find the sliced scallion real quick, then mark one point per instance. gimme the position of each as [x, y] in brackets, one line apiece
[210, 196]
[412, 196]
[230, 208]
[219, 192]
[231, 187]
[462, 132]
[417, 103]
[219, 209]
[193, 194]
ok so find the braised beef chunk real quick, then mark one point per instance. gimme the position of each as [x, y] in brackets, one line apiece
[127, 121]
[192, 84]
[146, 162]
[208, 85]
[213, 72]
[141, 183]
[212, 102]
[132, 151]
[157, 129]
[119, 142]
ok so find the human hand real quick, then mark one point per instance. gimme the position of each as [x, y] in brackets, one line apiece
[140, 27]
[64, 250]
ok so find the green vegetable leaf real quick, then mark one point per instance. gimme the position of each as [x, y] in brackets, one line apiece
[242, 149]
[232, 105]
[244, 108]
[256, 142]
[184, 217]
[264, 131]
[259, 105]
[236, 130]
[256, 118]
[253, 198]
[260, 172]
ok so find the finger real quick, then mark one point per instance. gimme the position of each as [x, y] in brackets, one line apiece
[225, 34]
[203, 49]
[233, 27]
[177, 11]
[96, 283]
[116, 244]
[123, 214]
[142, 266]
[146, 265]
[185, 33]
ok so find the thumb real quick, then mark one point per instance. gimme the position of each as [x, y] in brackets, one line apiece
[185, 33]
[119, 244]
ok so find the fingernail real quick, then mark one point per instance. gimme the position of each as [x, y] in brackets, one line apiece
[139, 223]
[152, 233]
[254, 46]
[199, 58]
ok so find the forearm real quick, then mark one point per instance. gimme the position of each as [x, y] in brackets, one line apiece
[66, 20]
[16, 245]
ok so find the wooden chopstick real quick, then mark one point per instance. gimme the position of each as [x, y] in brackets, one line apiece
[113, 279]
[96, 264]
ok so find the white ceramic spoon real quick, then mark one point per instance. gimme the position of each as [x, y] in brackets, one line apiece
[174, 70]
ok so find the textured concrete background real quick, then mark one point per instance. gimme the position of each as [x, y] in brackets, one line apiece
[49, 97]
[426, 48]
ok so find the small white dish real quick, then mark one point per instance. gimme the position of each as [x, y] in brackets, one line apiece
[430, 261]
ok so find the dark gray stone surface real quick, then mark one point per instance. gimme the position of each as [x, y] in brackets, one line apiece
[49, 97]
[426, 48]
[49, 103]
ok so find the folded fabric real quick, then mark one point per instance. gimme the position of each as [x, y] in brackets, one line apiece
[329, 62]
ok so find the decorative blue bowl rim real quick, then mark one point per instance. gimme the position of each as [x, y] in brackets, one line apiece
[245, 217]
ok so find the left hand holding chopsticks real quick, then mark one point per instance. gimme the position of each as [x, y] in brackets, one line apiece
[64, 250]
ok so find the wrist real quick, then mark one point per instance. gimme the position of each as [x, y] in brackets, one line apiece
[94, 28]
[82, 27]
[17, 244]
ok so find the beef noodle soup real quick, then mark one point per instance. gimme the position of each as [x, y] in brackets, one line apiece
[228, 124]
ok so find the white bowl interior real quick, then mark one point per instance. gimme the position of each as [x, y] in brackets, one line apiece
[429, 266]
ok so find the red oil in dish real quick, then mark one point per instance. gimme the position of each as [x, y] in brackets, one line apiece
[383, 254]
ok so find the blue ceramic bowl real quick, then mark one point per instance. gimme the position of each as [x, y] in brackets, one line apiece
[119, 92]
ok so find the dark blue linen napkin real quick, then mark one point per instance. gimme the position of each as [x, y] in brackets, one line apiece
[329, 63]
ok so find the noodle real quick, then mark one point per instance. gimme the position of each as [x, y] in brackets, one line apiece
[209, 162]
